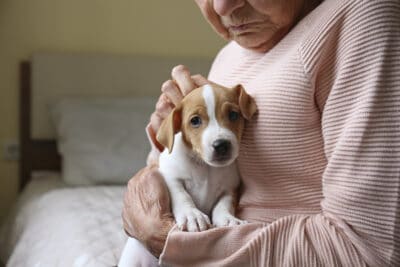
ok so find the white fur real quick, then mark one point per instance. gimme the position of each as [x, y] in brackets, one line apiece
[194, 186]
[197, 186]
[214, 131]
[200, 188]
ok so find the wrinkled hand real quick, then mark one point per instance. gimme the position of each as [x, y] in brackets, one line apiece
[173, 91]
[147, 213]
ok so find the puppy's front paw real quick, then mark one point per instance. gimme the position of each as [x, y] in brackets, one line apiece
[192, 220]
[226, 220]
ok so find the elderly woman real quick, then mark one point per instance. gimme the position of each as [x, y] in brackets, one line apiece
[320, 163]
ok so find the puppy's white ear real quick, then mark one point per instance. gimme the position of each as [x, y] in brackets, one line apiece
[169, 127]
[247, 104]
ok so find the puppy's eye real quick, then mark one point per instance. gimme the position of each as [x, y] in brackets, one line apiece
[195, 121]
[233, 115]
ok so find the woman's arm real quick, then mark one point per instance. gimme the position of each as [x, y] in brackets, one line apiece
[359, 223]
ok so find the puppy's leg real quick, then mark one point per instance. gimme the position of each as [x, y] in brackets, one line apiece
[187, 216]
[223, 212]
[136, 255]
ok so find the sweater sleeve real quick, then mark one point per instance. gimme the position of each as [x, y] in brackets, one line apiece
[356, 73]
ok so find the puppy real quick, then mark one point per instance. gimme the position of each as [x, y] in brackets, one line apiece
[201, 136]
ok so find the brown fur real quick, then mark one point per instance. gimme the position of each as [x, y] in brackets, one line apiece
[226, 99]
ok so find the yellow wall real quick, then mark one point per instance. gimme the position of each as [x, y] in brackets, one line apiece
[119, 26]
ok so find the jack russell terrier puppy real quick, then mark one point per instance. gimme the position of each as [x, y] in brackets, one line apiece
[202, 136]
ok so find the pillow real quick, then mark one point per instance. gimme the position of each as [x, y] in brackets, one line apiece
[102, 140]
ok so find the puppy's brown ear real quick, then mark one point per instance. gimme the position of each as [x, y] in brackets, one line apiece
[169, 127]
[247, 104]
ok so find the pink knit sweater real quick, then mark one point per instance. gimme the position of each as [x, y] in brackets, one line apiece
[320, 163]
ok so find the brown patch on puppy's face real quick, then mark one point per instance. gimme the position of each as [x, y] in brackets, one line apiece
[227, 110]
[194, 120]
[211, 119]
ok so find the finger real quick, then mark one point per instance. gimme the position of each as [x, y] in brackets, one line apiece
[152, 134]
[200, 80]
[171, 90]
[206, 7]
[163, 106]
[155, 121]
[181, 75]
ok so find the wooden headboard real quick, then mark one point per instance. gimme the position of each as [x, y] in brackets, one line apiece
[35, 154]
[48, 77]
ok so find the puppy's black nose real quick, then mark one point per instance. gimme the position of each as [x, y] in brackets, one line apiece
[222, 147]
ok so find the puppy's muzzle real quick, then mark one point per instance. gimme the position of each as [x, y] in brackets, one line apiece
[222, 149]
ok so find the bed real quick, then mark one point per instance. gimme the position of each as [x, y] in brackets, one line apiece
[82, 119]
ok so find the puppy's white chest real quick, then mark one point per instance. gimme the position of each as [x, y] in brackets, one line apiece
[203, 183]
[205, 186]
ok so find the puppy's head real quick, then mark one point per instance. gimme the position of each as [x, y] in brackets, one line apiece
[211, 119]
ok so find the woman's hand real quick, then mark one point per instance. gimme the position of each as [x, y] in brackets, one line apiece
[173, 91]
[147, 213]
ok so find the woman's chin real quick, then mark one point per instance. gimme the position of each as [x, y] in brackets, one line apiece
[253, 41]
[259, 41]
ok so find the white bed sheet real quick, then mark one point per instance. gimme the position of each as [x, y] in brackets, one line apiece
[55, 225]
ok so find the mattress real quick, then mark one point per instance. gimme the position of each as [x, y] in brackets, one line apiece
[56, 225]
